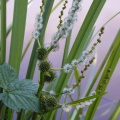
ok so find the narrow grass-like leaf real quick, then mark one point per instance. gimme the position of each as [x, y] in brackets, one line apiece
[66, 49]
[111, 64]
[57, 5]
[3, 32]
[26, 48]
[10, 26]
[8, 29]
[18, 29]
[115, 112]
[3, 112]
[74, 103]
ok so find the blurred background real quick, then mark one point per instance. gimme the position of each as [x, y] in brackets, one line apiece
[111, 7]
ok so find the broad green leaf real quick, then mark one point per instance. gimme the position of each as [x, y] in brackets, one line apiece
[18, 94]
[7, 75]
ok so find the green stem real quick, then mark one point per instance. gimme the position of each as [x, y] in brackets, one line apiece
[56, 68]
[39, 93]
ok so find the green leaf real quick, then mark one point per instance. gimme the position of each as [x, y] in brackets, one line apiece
[3, 32]
[115, 112]
[7, 74]
[74, 103]
[18, 29]
[19, 94]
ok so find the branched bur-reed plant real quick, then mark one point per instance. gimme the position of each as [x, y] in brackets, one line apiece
[35, 101]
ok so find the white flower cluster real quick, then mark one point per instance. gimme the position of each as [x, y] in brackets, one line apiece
[82, 60]
[68, 91]
[89, 102]
[38, 26]
[67, 25]
[66, 107]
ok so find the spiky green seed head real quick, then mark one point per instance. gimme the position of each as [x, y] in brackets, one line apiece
[50, 77]
[44, 66]
[51, 102]
[41, 53]
[48, 102]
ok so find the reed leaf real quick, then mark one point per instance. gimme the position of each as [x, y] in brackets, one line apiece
[66, 49]
[18, 29]
[115, 112]
[3, 32]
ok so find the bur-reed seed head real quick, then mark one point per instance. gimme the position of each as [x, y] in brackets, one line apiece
[50, 77]
[44, 66]
[41, 53]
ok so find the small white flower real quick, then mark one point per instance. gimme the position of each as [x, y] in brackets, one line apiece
[82, 105]
[83, 59]
[69, 19]
[55, 46]
[92, 100]
[71, 11]
[52, 92]
[67, 68]
[55, 36]
[66, 107]
[74, 63]
[71, 91]
[65, 90]
[85, 53]
[68, 91]
[75, 3]
[87, 103]
[39, 18]
[69, 26]
[38, 25]
[93, 93]
[35, 34]
[47, 46]
[63, 31]
[79, 8]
